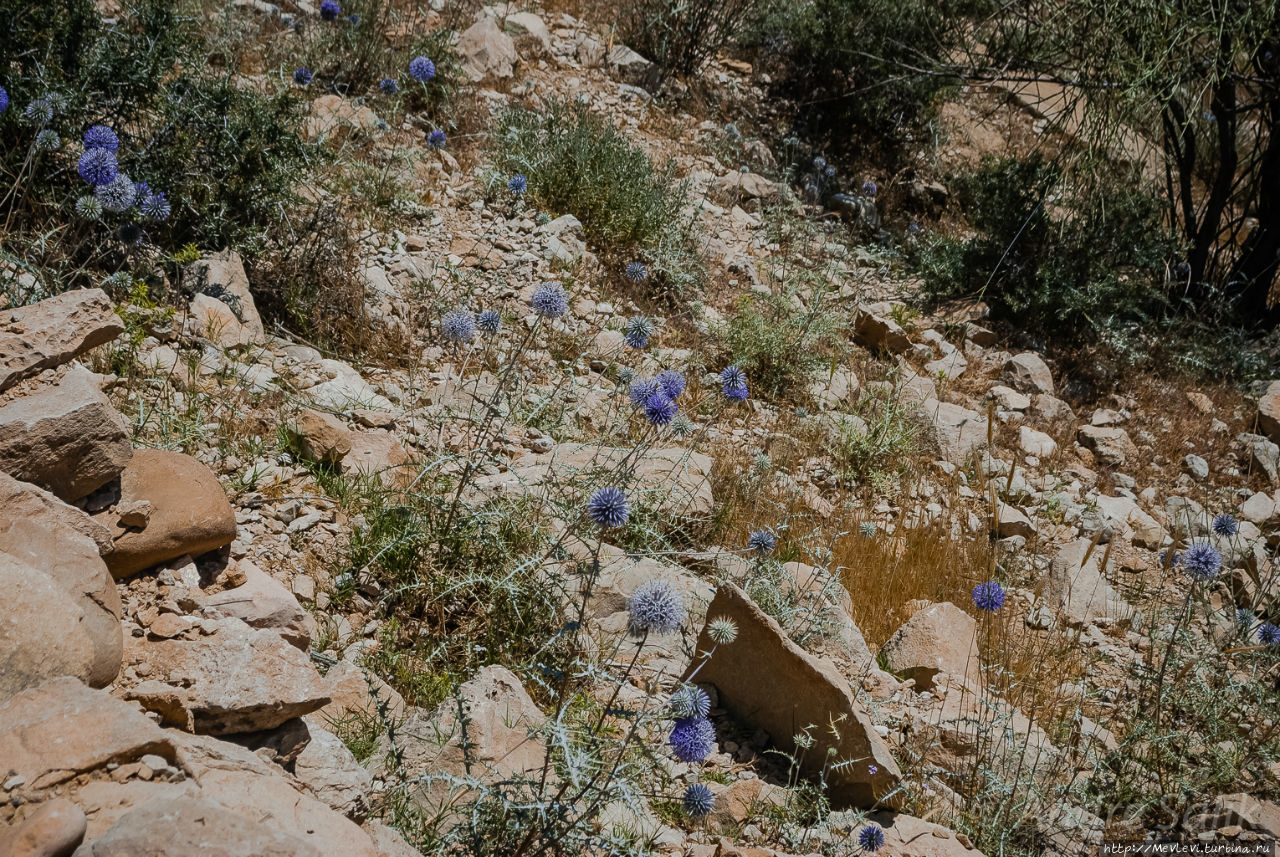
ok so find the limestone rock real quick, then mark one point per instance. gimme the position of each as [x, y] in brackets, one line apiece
[939, 638]
[1109, 444]
[958, 431]
[333, 116]
[1028, 373]
[321, 437]
[263, 602]
[1036, 443]
[55, 330]
[53, 829]
[876, 331]
[735, 187]
[908, 836]
[356, 693]
[631, 67]
[1078, 591]
[222, 276]
[486, 51]
[768, 682]
[1269, 411]
[332, 773]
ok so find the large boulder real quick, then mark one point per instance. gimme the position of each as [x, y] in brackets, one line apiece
[49, 333]
[59, 431]
[53, 829]
[1109, 444]
[486, 52]
[1028, 373]
[189, 512]
[222, 276]
[939, 638]
[768, 682]
[1077, 590]
[958, 431]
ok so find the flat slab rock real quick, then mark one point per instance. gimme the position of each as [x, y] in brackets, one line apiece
[236, 679]
[49, 333]
[768, 682]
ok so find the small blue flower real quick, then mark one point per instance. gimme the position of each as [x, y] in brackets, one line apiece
[690, 701]
[130, 233]
[437, 139]
[329, 10]
[39, 112]
[101, 137]
[639, 329]
[829, 172]
[490, 321]
[353, 20]
[659, 410]
[819, 162]
[1269, 634]
[4, 99]
[1245, 617]
[549, 300]
[655, 607]
[609, 507]
[871, 838]
[421, 68]
[155, 206]
[117, 195]
[693, 739]
[734, 382]
[458, 327]
[869, 188]
[988, 596]
[48, 140]
[641, 390]
[1225, 525]
[672, 383]
[1202, 561]
[637, 272]
[302, 76]
[761, 541]
[388, 86]
[518, 184]
[698, 800]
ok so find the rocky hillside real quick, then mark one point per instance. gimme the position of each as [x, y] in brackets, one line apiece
[684, 529]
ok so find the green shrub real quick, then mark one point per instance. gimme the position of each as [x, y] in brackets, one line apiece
[777, 345]
[680, 36]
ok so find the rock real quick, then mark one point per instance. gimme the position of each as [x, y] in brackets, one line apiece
[54, 732]
[55, 330]
[357, 693]
[487, 52]
[54, 829]
[877, 332]
[939, 638]
[1269, 411]
[1196, 466]
[222, 276]
[345, 389]
[768, 682]
[1262, 455]
[332, 773]
[387, 841]
[1256, 816]
[22, 500]
[263, 602]
[1036, 443]
[1078, 591]
[530, 33]
[1051, 408]
[215, 321]
[377, 453]
[1028, 373]
[975, 731]
[1259, 508]
[742, 800]
[486, 731]
[1110, 445]
[907, 836]
[334, 116]
[1008, 398]
[1124, 516]
[1012, 521]
[958, 431]
[237, 679]
[736, 187]
[59, 431]
[321, 437]
[1186, 517]
[190, 514]
[631, 67]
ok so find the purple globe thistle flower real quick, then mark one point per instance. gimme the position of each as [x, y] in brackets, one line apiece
[329, 10]
[118, 194]
[1226, 525]
[693, 739]
[914, 228]
[690, 701]
[871, 838]
[734, 382]
[353, 20]
[458, 327]
[421, 68]
[39, 112]
[698, 800]
[672, 383]
[130, 233]
[762, 541]
[1202, 561]
[437, 139]
[388, 86]
[48, 140]
[609, 507]
[549, 300]
[655, 607]
[155, 206]
[869, 188]
[819, 162]
[637, 272]
[518, 184]
[1268, 633]
[639, 329]
[659, 410]
[641, 390]
[829, 172]
[101, 137]
[141, 191]
[302, 76]
[988, 596]
[4, 99]
[490, 321]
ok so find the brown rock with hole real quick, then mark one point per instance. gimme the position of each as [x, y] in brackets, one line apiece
[190, 513]
[55, 330]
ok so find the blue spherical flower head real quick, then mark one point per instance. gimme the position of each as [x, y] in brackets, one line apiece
[638, 331]
[829, 172]
[458, 327]
[302, 76]
[659, 410]
[672, 383]
[871, 838]
[819, 163]
[1202, 561]
[39, 112]
[1269, 634]
[761, 541]
[690, 701]
[698, 800]
[4, 99]
[988, 596]
[353, 20]
[437, 139]
[155, 206]
[549, 300]
[388, 86]
[101, 137]
[490, 321]
[655, 607]
[117, 195]
[421, 68]
[693, 739]
[641, 390]
[130, 233]
[1226, 525]
[329, 10]
[869, 188]
[734, 382]
[518, 184]
[637, 272]
[609, 507]
[48, 140]
[1245, 617]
